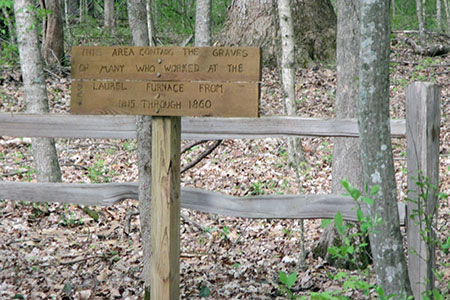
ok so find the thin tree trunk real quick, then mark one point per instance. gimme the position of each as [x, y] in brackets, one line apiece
[150, 23]
[11, 31]
[376, 149]
[447, 14]
[109, 15]
[393, 8]
[439, 14]
[420, 18]
[288, 81]
[203, 23]
[44, 151]
[137, 16]
[53, 38]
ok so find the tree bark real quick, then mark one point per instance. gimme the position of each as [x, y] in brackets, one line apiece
[137, 16]
[255, 23]
[376, 149]
[420, 19]
[109, 15]
[203, 23]
[439, 14]
[346, 151]
[288, 81]
[44, 151]
[53, 38]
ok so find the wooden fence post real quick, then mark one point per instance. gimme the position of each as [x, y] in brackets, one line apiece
[422, 136]
[165, 230]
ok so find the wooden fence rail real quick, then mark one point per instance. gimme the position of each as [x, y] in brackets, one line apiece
[266, 206]
[124, 127]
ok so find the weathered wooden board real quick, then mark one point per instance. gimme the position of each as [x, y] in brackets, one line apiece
[266, 207]
[124, 127]
[165, 224]
[167, 63]
[423, 123]
[164, 98]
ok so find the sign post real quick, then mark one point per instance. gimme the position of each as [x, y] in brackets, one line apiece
[167, 83]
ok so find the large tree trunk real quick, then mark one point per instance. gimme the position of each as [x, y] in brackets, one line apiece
[346, 152]
[254, 23]
[44, 152]
[137, 16]
[376, 149]
[53, 39]
[203, 23]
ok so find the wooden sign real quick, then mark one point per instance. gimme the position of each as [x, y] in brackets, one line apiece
[165, 98]
[166, 81]
[167, 63]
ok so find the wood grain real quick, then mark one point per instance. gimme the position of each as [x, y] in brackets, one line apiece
[164, 98]
[167, 63]
[124, 127]
[264, 207]
[165, 228]
[423, 109]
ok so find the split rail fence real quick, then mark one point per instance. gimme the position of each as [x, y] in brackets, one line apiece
[421, 130]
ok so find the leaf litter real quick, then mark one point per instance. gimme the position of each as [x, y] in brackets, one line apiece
[58, 251]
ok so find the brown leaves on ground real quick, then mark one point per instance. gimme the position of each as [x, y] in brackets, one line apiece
[57, 251]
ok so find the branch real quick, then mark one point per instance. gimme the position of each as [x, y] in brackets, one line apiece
[201, 156]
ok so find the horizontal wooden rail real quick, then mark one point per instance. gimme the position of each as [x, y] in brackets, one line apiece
[124, 127]
[267, 206]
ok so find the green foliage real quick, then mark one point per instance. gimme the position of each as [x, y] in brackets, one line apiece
[405, 17]
[426, 217]
[99, 172]
[69, 219]
[204, 291]
[174, 21]
[287, 282]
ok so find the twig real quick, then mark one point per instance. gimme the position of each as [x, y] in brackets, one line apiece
[191, 145]
[185, 218]
[201, 156]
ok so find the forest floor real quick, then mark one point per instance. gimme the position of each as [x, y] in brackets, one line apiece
[56, 251]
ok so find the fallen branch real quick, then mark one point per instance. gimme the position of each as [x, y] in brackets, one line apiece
[201, 156]
[435, 50]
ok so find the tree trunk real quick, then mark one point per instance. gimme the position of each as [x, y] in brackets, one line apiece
[288, 80]
[254, 23]
[439, 14]
[447, 14]
[346, 153]
[137, 16]
[420, 19]
[53, 40]
[203, 23]
[44, 151]
[376, 149]
[109, 15]
[9, 24]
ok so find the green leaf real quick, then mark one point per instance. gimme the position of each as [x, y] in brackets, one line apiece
[325, 223]
[346, 185]
[67, 289]
[291, 279]
[283, 277]
[360, 215]
[374, 190]
[355, 194]
[368, 200]
[204, 291]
